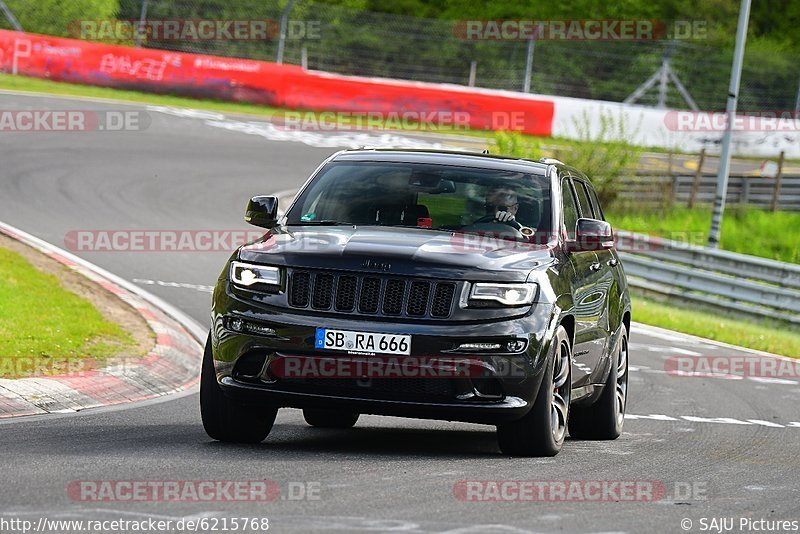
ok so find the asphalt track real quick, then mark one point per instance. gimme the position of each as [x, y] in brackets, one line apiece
[386, 474]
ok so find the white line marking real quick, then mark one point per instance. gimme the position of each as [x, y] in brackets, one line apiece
[351, 139]
[654, 417]
[765, 423]
[181, 285]
[724, 420]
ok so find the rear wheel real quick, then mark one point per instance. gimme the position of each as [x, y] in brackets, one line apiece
[330, 418]
[604, 419]
[225, 419]
[541, 431]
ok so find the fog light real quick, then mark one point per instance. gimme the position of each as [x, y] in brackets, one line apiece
[236, 325]
[517, 345]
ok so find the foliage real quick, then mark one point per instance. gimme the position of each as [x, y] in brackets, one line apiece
[54, 17]
[746, 230]
[601, 152]
[769, 336]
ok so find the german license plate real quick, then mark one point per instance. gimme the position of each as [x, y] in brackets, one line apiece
[363, 341]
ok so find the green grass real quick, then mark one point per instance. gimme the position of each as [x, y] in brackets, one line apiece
[744, 230]
[46, 329]
[766, 335]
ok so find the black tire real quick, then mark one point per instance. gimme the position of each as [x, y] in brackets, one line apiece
[542, 430]
[604, 419]
[225, 419]
[330, 418]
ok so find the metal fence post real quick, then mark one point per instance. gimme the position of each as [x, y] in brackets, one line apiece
[142, 21]
[698, 175]
[473, 67]
[282, 38]
[676, 183]
[744, 194]
[776, 193]
[526, 87]
[10, 16]
[797, 100]
[723, 172]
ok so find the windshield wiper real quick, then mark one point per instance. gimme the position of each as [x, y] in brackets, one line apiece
[325, 222]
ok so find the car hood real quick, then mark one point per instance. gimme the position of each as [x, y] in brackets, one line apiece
[400, 251]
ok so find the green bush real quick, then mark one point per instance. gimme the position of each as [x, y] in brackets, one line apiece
[53, 17]
[603, 155]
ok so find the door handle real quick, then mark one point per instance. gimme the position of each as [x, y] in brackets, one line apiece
[613, 262]
[595, 266]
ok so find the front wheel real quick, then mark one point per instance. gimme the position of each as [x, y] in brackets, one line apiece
[225, 419]
[542, 430]
[603, 420]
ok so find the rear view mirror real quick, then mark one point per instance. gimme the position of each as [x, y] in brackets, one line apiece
[431, 183]
[262, 211]
[592, 234]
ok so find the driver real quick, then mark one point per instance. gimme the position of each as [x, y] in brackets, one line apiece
[502, 204]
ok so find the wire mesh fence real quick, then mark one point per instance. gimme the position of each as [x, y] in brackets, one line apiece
[356, 42]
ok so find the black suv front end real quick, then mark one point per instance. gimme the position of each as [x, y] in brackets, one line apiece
[480, 365]
[423, 284]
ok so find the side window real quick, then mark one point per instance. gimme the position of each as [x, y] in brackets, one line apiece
[583, 200]
[598, 210]
[570, 208]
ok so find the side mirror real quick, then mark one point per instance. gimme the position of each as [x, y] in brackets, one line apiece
[592, 234]
[262, 211]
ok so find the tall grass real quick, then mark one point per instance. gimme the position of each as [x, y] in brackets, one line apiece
[746, 230]
[600, 150]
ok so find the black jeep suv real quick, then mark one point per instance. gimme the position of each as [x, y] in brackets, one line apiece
[429, 284]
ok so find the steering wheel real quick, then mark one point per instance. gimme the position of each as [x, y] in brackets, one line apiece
[488, 224]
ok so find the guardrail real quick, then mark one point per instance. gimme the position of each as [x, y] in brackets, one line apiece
[652, 189]
[745, 285]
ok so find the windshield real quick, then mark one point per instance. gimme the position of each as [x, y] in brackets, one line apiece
[438, 197]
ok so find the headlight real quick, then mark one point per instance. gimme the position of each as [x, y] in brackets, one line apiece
[247, 274]
[505, 294]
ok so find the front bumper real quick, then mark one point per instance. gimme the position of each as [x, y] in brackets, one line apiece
[490, 387]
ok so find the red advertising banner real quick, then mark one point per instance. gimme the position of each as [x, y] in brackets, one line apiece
[262, 82]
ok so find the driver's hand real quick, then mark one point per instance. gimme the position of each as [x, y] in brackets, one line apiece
[504, 216]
